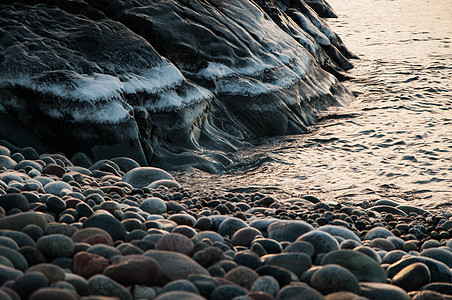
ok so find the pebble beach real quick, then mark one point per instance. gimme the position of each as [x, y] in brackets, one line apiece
[74, 229]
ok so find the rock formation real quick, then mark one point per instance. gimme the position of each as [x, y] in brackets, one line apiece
[168, 83]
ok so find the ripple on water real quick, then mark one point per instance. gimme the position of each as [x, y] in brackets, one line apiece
[394, 141]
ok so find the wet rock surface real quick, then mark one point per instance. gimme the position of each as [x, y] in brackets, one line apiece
[173, 84]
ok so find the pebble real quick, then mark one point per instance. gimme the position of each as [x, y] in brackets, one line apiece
[242, 276]
[244, 236]
[340, 231]
[361, 265]
[20, 220]
[298, 263]
[143, 176]
[439, 271]
[164, 182]
[179, 295]
[175, 242]
[323, 242]
[10, 201]
[344, 296]
[15, 257]
[300, 246]
[55, 245]
[171, 262]
[230, 225]
[103, 285]
[288, 230]
[52, 293]
[8, 273]
[412, 277]
[28, 283]
[57, 187]
[52, 272]
[208, 256]
[227, 292]
[153, 206]
[299, 290]
[266, 284]
[88, 264]
[382, 291]
[439, 254]
[378, 232]
[247, 258]
[134, 269]
[104, 220]
[180, 285]
[334, 278]
[205, 284]
[440, 287]
[84, 235]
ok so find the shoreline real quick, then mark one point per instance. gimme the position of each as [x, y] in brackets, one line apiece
[74, 232]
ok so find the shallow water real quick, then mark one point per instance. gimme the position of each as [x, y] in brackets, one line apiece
[394, 141]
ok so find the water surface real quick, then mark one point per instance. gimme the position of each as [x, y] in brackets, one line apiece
[394, 141]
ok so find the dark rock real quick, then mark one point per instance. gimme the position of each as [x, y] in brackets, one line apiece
[242, 276]
[175, 242]
[104, 250]
[299, 290]
[52, 272]
[79, 283]
[208, 256]
[8, 273]
[300, 246]
[280, 274]
[442, 255]
[412, 277]
[103, 285]
[270, 245]
[297, 263]
[247, 258]
[153, 206]
[244, 236]
[55, 245]
[228, 292]
[205, 284]
[323, 242]
[29, 283]
[230, 225]
[382, 291]
[176, 265]
[340, 231]
[179, 295]
[88, 264]
[134, 269]
[288, 230]
[361, 265]
[107, 222]
[334, 278]
[85, 234]
[32, 255]
[439, 287]
[267, 284]
[11, 201]
[52, 293]
[439, 271]
[143, 176]
[15, 257]
[180, 285]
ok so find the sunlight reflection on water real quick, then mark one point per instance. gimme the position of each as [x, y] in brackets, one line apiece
[394, 141]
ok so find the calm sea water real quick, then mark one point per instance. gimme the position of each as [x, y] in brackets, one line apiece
[394, 141]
